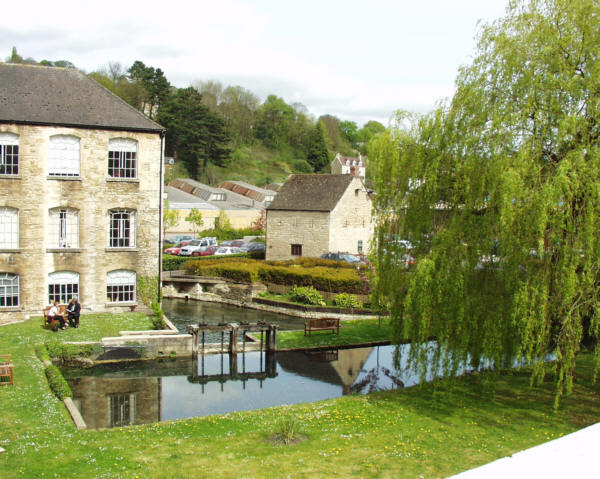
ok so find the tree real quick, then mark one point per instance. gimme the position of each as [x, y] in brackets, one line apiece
[156, 86]
[195, 218]
[222, 222]
[318, 155]
[499, 192]
[350, 131]
[170, 217]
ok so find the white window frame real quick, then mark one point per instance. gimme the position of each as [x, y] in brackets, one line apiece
[9, 283]
[9, 228]
[122, 158]
[122, 230]
[64, 158]
[122, 409]
[64, 228]
[62, 286]
[121, 286]
[9, 154]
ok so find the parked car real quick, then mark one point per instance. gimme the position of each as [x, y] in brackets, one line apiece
[238, 243]
[179, 238]
[350, 258]
[207, 252]
[225, 250]
[173, 250]
[255, 246]
[197, 245]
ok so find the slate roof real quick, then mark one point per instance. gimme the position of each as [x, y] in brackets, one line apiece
[248, 190]
[311, 192]
[205, 192]
[31, 94]
[180, 200]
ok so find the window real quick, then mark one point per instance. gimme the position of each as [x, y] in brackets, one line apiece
[122, 158]
[9, 154]
[122, 229]
[122, 409]
[62, 286]
[297, 250]
[218, 197]
[120, 286]
[9, 290]
[64, 156]
[64, 228]
[9, 228]
[360, 246]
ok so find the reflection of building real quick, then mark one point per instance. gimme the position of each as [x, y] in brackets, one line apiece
[340, 367]
[114, 402]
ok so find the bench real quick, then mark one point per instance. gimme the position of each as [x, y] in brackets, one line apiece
[322, 324]
[50, 323]
[6, 370]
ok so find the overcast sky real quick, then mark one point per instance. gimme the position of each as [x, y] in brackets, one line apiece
[357, 60]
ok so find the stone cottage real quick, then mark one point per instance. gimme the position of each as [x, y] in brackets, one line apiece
[316, 214]
[80, 189]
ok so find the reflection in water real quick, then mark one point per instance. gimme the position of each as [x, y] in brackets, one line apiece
[149, 391]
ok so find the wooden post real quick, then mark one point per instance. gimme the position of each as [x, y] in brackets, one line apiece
[233, 335]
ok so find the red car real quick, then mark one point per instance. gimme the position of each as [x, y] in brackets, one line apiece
[173, 250]
[209, 251]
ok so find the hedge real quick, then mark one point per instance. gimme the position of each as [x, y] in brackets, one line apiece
[57, 382]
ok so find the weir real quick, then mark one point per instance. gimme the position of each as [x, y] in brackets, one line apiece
[231, 331]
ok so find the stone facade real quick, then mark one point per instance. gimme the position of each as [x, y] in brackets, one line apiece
[347, 227]
[93, 194]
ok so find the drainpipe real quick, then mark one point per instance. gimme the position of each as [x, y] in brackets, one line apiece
[160, 218]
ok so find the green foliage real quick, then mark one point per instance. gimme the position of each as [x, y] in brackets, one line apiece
[195, 218]
[158, 318]
[222, 222]
[42, 352]
[147, 288]
[57, 382]
[288, 431]
[306, 295]
[156, 87]
[67, 352]
[170, 217]
[318, 154]
[345, 300]
[173, 263]
[499, 193]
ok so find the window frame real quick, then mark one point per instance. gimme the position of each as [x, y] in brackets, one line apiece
[60, 146]
[67, 288]
[66, 221]
[10, 228]
[120, 289]
[121, 151]
[118, 226]
[9, 150]
[4, 287]
[296, 250]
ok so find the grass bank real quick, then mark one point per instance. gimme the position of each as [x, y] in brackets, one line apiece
[417, 432]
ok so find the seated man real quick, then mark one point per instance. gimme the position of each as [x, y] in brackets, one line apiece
[53, 315]
[73, 311]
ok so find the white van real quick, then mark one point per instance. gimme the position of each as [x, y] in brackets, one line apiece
[198, 245]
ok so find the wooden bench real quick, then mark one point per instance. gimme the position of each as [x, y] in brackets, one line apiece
[6, 370]
[50, 323]
[322, 324]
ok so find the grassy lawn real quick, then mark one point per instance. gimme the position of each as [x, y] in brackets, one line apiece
[351, 332]
[416, 432]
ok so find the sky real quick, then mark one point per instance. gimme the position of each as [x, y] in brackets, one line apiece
[356, 60]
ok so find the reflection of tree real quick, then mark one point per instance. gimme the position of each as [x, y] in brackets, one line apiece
[371, 382]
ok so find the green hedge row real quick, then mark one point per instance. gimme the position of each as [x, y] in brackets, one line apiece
[57, 382]
[68, 352]
[340, 280]
[173, 263]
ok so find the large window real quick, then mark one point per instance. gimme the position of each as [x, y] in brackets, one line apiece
[9, 228]
[62, 286]
[120, 286]
[9, 290]
[122, 158]
[64, 156]
[64, 228]
[9, 154]
[122, 229]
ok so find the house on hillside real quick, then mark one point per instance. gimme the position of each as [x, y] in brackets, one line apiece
[80, 192]
[316, 214]
[345, 165]
[184, 194]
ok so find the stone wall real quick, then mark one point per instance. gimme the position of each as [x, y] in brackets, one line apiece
[307, 228]
[93, 194]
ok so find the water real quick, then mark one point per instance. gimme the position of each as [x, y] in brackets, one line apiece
[150, 391]
[183, 313]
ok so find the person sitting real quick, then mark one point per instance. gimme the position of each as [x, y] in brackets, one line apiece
[73, 311]
[53, 315]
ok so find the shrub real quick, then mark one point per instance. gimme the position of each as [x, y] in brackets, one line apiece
[68, 352]
[147, 287]
[172, 263]
[57, 382]
[345, 300]
[42, 352]
[158, 320]
[306, 295]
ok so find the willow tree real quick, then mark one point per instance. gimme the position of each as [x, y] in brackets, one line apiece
[498, 191]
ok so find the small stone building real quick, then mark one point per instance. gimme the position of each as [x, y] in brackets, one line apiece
[80, 187]
[346, 165]
[316, 214]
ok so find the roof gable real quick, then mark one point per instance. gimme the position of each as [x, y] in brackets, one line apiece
[311, 192]
[64, 96]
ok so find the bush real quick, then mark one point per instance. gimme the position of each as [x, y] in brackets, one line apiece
[172, 263]
[306, 295]
[158, 320]
[68, 352]
[345, 300]
[57, 382]
[42, 352]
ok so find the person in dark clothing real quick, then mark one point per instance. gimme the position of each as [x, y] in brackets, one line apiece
[73, 311]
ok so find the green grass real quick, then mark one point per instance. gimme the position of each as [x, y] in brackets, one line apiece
[416, 432]
[356, 331]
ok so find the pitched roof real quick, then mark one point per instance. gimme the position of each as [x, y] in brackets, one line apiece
[40, 95]
[208, 193]
[248, 190]
[311, 192]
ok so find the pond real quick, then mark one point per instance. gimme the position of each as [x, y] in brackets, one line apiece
[150, 391]
[183, 313]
